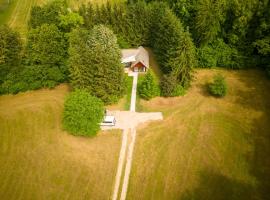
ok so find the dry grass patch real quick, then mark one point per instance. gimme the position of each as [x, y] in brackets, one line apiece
[40, 161]
[207, 148]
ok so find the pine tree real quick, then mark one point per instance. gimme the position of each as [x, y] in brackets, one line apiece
[95, 63]
[148, 88]
[172, 45]
[210, 15]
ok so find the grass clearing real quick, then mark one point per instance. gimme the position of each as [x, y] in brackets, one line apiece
[207, 148]
[40, 161]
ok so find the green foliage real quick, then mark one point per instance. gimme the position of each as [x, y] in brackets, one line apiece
[69, 21]
[179, 90]
[82, 113]
[10, 46]
[218, 87]
[219, 54]
[210, 15]
[172, 45]
[95, 63]
[207, 57]
[32, 78]
[148, 88]
[263, 46]
[47, 14]
[122, 42]
[46, 45]
[152, 25]
[170, 86]
[138, 24]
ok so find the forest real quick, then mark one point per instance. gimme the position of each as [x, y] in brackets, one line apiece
[183, 35]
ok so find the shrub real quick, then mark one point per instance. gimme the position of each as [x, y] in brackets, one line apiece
[32, 78]
[179, 90]
[148, 88]
[82, 113]
[218, 87]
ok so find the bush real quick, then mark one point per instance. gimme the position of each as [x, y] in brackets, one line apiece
[82, 113]
[218, 87]
[148, 88]
[32, 78]
[179, 90]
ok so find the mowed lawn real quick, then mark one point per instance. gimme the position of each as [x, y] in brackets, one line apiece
[38, 160]
[206, 148]
[17, 13]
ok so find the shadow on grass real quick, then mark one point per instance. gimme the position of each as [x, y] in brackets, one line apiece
[214, 186]
[256, 96]
[252, 95]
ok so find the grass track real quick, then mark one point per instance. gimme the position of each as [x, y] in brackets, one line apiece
[40, 161]
[207, 148]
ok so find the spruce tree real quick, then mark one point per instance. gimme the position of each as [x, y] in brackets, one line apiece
[95, 63]
[148, 88]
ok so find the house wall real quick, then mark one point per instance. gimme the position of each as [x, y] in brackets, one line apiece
[140, 67]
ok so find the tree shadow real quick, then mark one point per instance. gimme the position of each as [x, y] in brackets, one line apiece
[251, 94]
[214, 186]
[256, 97]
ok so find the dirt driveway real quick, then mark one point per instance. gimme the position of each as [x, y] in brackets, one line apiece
[128, 119]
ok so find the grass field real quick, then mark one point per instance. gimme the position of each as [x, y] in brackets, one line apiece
[40, 161]
[207, 148]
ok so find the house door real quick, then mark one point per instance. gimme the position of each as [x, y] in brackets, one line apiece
[135, 69]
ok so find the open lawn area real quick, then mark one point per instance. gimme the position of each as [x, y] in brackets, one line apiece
[206, 148]
[40, 161]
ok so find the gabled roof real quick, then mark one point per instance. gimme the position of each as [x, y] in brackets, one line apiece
[135, 56]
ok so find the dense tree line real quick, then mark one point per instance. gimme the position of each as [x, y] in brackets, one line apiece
[217, 33]
[43, 58]
[153, 25]
[241, 27]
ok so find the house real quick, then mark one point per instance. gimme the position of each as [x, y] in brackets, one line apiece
[136, 60]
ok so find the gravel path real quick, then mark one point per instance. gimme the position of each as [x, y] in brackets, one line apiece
[128, 120]
[128, 164]
[120, 164]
